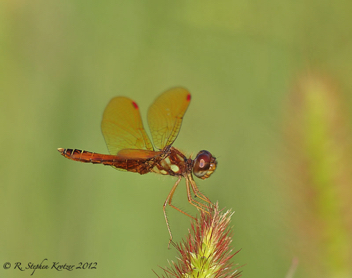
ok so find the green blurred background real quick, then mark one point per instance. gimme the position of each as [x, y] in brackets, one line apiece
[62, 61]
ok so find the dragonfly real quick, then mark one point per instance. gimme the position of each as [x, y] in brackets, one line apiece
[131, 149]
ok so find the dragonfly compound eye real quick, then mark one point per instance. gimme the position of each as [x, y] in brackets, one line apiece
[204, 165]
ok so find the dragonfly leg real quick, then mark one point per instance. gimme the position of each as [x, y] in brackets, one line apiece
[168, 202]
[193, 202]
[198, 193]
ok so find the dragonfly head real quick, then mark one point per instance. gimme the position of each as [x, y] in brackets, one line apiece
[204, 165]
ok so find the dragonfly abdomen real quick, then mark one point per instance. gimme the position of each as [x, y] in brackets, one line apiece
[87, 157]
[121, 163]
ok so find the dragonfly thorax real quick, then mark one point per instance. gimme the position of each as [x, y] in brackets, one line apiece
[174, 163]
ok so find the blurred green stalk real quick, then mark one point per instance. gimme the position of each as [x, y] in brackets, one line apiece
[324, 151]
